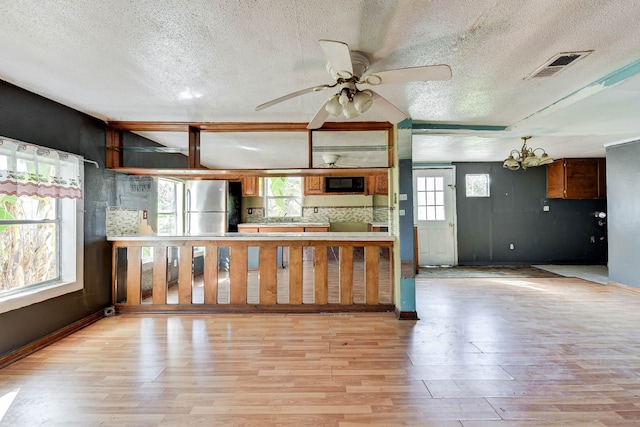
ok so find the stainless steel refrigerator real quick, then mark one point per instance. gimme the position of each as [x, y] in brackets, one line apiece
[206, 207]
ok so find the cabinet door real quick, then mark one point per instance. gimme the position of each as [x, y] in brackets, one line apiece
[581, 179]
[251, 186]
[313, 185]
[382, 185]
[378, 185]
[555, 180]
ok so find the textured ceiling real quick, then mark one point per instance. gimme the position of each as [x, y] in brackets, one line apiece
[201, 60]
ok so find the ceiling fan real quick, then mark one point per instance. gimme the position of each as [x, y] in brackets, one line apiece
[331, 161]
[348, 69]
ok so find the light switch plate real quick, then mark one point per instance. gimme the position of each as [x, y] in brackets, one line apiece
[403, 197]
[401, 212]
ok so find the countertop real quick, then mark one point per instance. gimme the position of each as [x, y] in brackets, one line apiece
[329, 235]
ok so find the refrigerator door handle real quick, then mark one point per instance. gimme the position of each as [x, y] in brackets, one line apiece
[188, 219]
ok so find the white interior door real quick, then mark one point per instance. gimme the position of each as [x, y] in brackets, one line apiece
[434, 216]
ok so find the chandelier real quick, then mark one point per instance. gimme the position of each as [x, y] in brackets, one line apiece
[526, 157]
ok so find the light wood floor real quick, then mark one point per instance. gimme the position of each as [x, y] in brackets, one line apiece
[486, 352]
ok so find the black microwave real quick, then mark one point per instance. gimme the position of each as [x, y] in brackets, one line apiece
[344, 184]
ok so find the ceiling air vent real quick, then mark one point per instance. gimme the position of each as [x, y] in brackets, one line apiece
[558, 63]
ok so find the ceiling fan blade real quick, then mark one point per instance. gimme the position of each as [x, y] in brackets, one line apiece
[339, 56]
[392, 113]
[412, 74]
[320, 117]
[292, 95]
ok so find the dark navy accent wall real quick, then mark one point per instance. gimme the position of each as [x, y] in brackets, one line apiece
[31, 118]
[568, 233]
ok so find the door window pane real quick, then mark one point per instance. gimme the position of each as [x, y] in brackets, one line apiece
[430, 198]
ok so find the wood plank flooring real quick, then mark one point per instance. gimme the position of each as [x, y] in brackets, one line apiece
[486, 352]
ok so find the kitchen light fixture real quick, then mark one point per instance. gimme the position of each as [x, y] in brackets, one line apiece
[526, 157]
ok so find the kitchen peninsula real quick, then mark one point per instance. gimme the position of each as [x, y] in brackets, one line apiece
[345, 272]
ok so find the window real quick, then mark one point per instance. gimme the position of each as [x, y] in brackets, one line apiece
[283, 197]
[169, 207]
[477, 185]
[41, 240]
[430, 202]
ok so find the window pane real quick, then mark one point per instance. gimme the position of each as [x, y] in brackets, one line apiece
[440, 213]
[421, 184]
[439, 183]
[283, 196]
[167, 225]
[430, 199]
[422, 213]
[440, 198]
[32, 208]
[422, 198]
[166, 195]
[430, 184]
[431, 213]
[27, 255]
[477, 185]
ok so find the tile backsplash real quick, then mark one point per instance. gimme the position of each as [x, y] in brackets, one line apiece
[329, 214]
[126, 221]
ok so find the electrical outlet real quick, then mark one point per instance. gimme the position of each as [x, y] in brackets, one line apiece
[545, 208]
[249, 211]
[315, 210]
[511, 246]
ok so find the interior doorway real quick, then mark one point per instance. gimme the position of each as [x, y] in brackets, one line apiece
[435, 215]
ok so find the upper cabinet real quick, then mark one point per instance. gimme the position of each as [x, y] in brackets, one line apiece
[378, 185]
[576, 179]
[313, 185]
[251, 186]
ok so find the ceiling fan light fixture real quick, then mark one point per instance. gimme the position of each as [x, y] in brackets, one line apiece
[343, 98]
[333, 106]
[362, 101]
[350, 111]
[330, 159]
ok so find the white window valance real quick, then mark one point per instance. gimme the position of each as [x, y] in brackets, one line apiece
[31, 170]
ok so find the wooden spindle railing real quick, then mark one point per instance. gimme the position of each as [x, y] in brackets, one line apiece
[288, 275]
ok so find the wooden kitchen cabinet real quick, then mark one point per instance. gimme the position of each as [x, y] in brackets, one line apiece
[251, 186]
[378, 185]
[576, 179]
[313, 185]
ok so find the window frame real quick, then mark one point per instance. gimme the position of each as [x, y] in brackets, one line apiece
[297, 198]
[488, 185]
[178, 206]
[70, 262]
